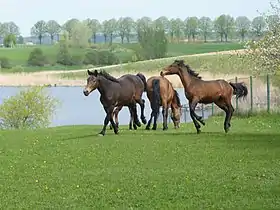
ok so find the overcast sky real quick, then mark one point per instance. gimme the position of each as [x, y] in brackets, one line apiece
[25, 13]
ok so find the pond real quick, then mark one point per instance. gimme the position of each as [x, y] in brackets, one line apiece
[77, 109]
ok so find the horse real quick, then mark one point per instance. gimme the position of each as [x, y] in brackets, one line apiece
[160, 92]
[119, 108]
[197, 91]
[124, 91]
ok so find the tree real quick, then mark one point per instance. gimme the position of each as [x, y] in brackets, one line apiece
[125, 26]
[39, 30]
[81, 34]
[153, 42]
[10, 40]
[224, 25]
[162, 23]
[10, 28]
[258, 26]
[273, 22]
[112, 28]
[143, 24]
[105, 29]
[176, 26]
[68, 26]
[205, 27]
[53, 28]
[192, 24]
[94, 26]
[243, 25]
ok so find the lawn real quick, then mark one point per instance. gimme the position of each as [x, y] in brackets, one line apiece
[19, 56]
[71, 167]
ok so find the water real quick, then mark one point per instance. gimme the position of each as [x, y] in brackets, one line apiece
[77, 109]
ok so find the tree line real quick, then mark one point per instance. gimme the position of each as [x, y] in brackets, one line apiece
[191, 28]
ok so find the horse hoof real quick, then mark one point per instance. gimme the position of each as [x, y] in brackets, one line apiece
[198, 131]
[144, 121]
[147, 128]
[138, 124]
[116, 132]
[111, 127]
[202, 122]
[154, 128]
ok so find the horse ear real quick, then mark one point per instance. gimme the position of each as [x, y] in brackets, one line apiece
[95, 73]
[89, 72]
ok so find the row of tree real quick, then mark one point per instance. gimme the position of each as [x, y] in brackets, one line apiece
[125, 27]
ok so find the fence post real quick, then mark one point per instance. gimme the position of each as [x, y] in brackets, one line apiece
[185, 114]
[212, 109]
[268, 92]
[236, 100]
[202, 111]
[251, 90]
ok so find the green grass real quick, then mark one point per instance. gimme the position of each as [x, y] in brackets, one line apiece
[214, 64]
[71, 168]
[19, 56]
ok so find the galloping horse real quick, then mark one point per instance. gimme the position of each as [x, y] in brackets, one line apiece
[125, 91]
[140, 102]
[160, 92]
[199, 91]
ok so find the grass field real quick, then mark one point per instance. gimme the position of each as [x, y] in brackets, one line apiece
[70, 167]
[213, 64]
[19, 56]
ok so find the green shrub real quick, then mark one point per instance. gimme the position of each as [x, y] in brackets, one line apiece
[107, 58]
[37, 58]
[91, 57]
[29, 109]
[64, 56]
[5, 63]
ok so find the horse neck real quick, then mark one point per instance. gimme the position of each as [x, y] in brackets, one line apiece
[104, 85]
[186, 78]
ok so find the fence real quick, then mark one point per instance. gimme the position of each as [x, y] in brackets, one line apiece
[263, 95]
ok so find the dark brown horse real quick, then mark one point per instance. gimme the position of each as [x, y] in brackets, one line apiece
[199, 91]
[160, 92]
[119, 108]
[125, 91]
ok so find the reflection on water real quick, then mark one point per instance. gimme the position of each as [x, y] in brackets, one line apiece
[77, 109]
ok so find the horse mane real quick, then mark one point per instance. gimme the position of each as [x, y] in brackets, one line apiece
[108, 76]
[190, 71]
[176, 95]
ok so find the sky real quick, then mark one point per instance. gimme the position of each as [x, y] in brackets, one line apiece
[25, 13]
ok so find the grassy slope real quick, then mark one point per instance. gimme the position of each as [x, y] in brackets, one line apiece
[19, 56]
[70, 167]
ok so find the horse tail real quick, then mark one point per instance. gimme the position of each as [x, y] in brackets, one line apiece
[156, 101]
[143, 78]
[239, 89]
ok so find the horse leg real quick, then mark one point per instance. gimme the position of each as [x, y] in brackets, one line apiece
[141, 102]
[155, 121]
[231, 110]
[192, 105]
[150, 121]
[131, 122]
[164, 114]
[109, 111]
[199, 118]
[224, 107]
[116, 115]
[135, 116]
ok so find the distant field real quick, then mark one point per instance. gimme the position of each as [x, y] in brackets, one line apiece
[125, 52]
[212, 64]
[71, 168]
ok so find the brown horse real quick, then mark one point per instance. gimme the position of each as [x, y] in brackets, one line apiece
[119, 108]
[199, 91]
[125, 91]
[160, 92]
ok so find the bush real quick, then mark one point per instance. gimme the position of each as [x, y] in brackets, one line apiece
[63, 56]
[91, 57]
[5, 63]
[37, 58]
[10, 40]
[102, 57]
[29, 109]
[107, 58]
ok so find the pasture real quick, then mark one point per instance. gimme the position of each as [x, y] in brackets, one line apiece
[125, 53]
[71, 167]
